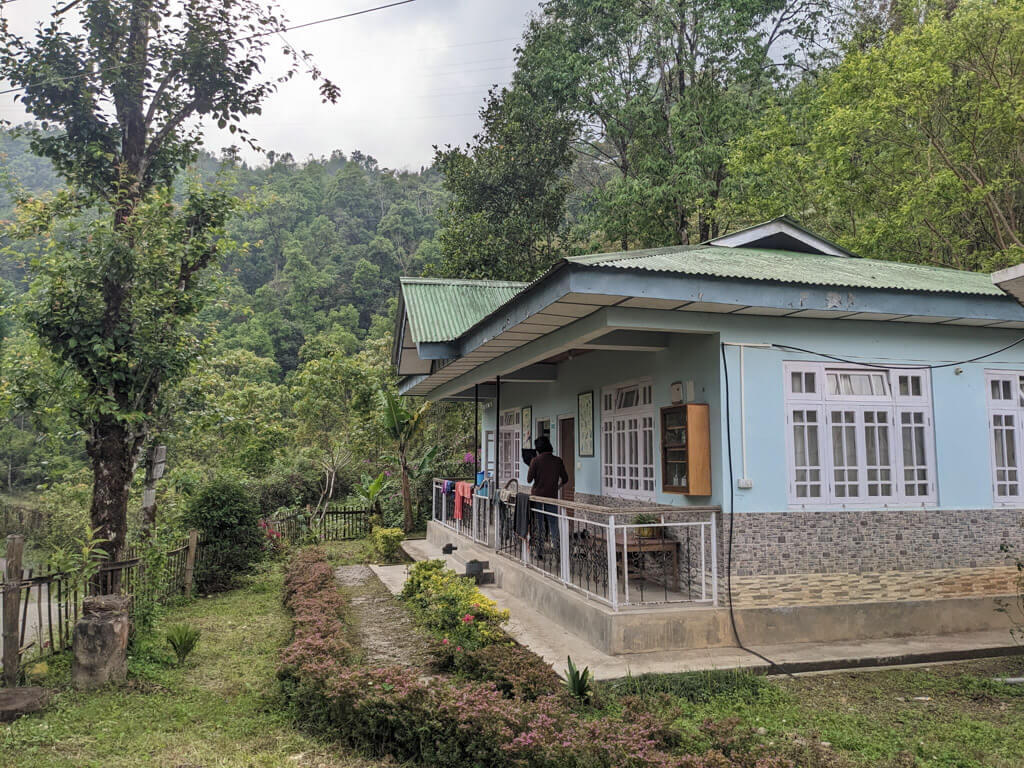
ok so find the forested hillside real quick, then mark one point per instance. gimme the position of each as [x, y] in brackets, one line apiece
[300, 325]
[893, 128]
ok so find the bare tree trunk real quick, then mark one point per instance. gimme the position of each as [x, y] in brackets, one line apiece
[113, 451]
[155, 455]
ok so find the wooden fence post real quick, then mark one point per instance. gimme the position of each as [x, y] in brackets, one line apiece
[12, 595]
[190, 560]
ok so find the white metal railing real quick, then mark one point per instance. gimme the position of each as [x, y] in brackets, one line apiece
[469, 518]
[592, 550]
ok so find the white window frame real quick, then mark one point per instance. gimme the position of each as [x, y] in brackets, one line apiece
[1007, 486]
[510, 432]
[906, 406]
[628, 460]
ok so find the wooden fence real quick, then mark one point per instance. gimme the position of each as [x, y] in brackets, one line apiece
[40, 606]
[338, 523]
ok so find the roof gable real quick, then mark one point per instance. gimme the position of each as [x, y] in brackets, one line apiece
[781, 234]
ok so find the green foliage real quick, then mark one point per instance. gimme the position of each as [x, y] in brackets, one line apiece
[226, 514]
[909, 149]
[452, 608]
[369, 491]
[579, 684]
[402, 426]
[515, 671]
[694, 687]
[82, 562]
[508, 191]
[150, 586]
[386, 543]
[182, 638]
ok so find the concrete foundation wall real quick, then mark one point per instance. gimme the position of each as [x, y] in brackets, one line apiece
[688, 626]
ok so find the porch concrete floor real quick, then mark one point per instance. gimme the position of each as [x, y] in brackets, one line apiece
[548, 640]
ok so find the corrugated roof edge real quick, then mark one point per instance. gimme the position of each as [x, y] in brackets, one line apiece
[459, 281]
[594, 261]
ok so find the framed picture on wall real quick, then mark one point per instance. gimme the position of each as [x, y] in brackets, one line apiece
[585, 422]
[528, 427]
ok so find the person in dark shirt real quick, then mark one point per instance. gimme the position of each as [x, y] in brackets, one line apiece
[547, 473]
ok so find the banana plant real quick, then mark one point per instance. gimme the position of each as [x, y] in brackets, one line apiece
[402, 426]
[369, 491]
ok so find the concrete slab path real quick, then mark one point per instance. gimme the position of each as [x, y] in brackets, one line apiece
[553, 643]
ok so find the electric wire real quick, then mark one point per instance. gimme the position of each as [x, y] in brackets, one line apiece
[732, 514]
[903, 367]
[731, 470]
[253, 36]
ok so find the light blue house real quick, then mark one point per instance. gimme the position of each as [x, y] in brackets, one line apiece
[828, 445]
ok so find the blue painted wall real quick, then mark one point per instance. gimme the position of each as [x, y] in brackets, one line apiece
[960, 411]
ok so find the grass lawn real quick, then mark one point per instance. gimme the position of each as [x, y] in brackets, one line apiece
[222, 708]
[939, 716]
[219, 710]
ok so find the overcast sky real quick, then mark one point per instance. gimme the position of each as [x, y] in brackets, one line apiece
[410, 76]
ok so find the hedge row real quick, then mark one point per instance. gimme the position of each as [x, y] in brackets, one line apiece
[442, 723]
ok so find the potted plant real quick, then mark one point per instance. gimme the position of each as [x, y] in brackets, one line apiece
[645, 520]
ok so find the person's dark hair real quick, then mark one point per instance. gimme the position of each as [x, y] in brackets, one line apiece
[543, 445]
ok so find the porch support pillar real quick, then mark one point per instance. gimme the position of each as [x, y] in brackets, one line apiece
[497, 433]
[476, 430]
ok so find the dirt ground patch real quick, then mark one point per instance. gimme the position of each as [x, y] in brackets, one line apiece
[382, 627]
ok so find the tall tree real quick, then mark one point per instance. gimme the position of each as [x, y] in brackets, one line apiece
[658, 89]
[507, 190]
[126, 84]
[910, 149]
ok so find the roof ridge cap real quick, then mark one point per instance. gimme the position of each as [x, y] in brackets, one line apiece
[458, 281]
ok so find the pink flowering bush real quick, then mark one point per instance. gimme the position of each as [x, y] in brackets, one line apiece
[274, 543]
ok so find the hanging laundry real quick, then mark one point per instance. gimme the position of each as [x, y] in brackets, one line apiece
[463, 493]
[523, 515]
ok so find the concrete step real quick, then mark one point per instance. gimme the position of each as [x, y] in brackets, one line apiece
[456, 560]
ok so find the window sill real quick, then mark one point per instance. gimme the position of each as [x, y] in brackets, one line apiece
[831, 507]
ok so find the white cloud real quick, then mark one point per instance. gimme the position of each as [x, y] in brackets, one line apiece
[410, 76]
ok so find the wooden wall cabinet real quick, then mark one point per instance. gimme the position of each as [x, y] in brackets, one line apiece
[686, 449]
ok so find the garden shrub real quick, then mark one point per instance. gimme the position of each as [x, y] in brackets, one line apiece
[293, 485]
[396, 712]
[386, 543]
[310, 592]
[515, 671]
[451, 607]
[227, 517]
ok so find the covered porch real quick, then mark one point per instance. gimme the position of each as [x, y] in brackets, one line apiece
[642, 557]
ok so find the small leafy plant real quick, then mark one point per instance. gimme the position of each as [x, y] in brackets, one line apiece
[182, 638]
[386, 543]
[646, 520]
[580, 684]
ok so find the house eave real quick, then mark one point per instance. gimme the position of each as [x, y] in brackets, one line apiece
[571, 292]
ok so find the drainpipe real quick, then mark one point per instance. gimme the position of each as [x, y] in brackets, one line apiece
[476, 430]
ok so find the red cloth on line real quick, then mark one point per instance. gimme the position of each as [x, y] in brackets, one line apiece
[463, 491]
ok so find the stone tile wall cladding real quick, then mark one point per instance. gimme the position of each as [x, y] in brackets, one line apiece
[801, 557]
[804, 557]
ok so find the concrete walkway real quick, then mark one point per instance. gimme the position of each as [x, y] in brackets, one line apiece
[548, 640]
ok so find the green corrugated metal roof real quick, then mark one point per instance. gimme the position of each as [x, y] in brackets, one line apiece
[442, 309]
[790, 267]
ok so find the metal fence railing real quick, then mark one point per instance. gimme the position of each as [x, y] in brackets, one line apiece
[602, 552]
[338, 523]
